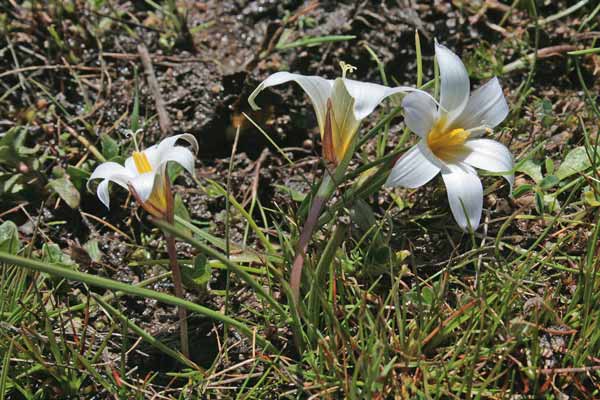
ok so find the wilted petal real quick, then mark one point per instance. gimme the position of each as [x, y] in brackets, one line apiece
[490, 155]
[318, 90]
[111, 171]
[368, 95]
[454, 90]
[486, 106]
[415, 168]
[143, 184]
[465, 195]
[420, 112]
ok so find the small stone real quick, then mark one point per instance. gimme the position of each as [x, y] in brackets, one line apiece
[41, 104]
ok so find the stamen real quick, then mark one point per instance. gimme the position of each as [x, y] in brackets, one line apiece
[445, 144]
[141, 162]
[346, 68]
[481, 128]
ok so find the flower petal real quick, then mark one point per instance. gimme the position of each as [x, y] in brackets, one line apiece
[318, 90]
[454, 90]
[344, 123]
[490, 155]
[464, 189]
[169, 151]
[102, 192]
[113, 172]
[420, 113]
[143, 185]
[168, 143]
[368, 95]
[414, 169]
[486, 106]
[180, 155]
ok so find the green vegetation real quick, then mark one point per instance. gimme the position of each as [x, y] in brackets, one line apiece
[394, 299]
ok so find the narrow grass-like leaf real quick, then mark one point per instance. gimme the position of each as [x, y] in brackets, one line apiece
[4, 374]
[314, 41]
[246, 277]
[145, 335]
[135, 291]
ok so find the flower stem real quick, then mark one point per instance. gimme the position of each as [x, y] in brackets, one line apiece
[177, 281]
[176, 271]
[326, 188]
[307, 231]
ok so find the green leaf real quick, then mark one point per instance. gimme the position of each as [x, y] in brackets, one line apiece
[135, 113]
[427, 295]
[533, 170]
[549, 166]
[174, 170]
[110, 147]
[66, 190]
[11, 183]
[576, 161]
[52, 254]
[180, 208]
[590, 199]
[12, 147]
[539, 203]
[198, 275]
[521, 190]
[9, 237]
[549, 182]
[551, 203]
[295, 195]
[93, 250]
[78, 176]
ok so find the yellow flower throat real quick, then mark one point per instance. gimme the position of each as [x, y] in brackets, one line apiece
[141, 162]
[445, 144]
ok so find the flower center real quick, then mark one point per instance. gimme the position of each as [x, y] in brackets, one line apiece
[445, 144]
[141, 162]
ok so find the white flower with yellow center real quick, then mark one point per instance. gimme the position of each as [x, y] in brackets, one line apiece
[144, 173]
[340, 105]
[451, 140]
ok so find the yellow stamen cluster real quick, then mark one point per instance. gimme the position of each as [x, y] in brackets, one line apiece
[141, 162]
[446, 144]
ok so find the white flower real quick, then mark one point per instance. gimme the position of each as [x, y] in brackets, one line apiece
[451, 140]
[144, 172]
[340, 104]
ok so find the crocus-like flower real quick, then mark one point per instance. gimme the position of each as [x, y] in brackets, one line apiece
[144, 173]
[340, 105]
[451, 140]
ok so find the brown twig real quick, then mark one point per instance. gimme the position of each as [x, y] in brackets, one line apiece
[86, 143]
[573, 370]
[541, 53]
[163, 117]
